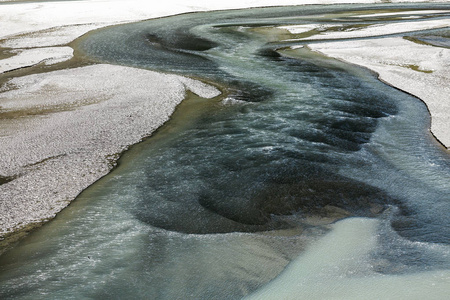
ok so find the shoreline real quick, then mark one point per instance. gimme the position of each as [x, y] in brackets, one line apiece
[52, 163]
[435, 138]
[428, 87]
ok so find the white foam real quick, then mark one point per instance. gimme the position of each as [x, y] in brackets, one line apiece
[232, 101]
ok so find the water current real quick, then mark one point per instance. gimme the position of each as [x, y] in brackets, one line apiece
[224, 196]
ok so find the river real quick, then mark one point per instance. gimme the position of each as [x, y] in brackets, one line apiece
[230, 191]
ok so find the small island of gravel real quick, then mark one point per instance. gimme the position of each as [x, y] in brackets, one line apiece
[61, 131]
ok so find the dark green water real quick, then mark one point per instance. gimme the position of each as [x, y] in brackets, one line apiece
[224, 196]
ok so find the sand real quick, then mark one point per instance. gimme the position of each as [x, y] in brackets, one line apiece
[30, 57]
[82, 118]
[336, 267]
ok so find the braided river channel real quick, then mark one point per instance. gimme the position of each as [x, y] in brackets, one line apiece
[304, 162]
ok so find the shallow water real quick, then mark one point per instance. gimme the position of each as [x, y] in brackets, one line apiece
[225, 195]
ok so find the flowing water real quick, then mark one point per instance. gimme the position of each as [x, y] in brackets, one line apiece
[225, 195]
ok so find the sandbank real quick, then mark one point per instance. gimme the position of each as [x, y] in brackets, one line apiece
[80, 120]
[335, 267]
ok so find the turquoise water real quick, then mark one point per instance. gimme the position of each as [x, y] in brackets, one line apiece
[224, 196]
